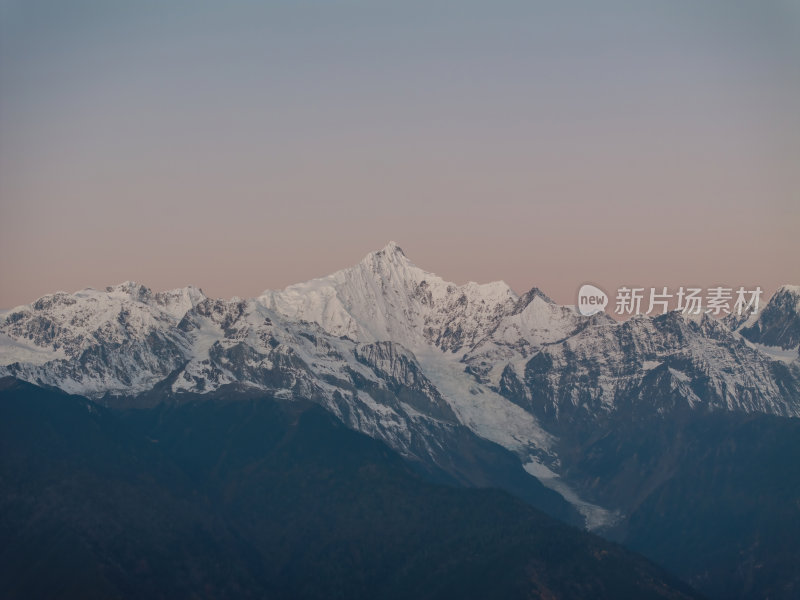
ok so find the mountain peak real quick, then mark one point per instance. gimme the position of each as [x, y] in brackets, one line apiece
[529, 297]
[391, 263]
[788, 290]
[392, 248]
[778, 324]
[135, 290]
[786, 299]
[391, 252]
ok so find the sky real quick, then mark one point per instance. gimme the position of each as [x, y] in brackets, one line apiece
[241, 146]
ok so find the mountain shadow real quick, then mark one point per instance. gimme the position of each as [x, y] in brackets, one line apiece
[262, 498]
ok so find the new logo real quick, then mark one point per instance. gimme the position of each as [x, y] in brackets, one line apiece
[591, 300]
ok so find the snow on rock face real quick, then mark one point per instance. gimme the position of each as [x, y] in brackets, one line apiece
[397, 363]
[385, 297]
[401, 372]
[178, 302]
[778, 324]
[614, 366]
[93, 342]
[536, 322]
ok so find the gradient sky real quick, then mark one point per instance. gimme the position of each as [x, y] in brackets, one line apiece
[240, 146]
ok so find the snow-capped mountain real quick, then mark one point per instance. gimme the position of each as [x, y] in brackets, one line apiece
[548, 358]
[94, 342]
[779, 323]
[386, 297]
[411, 359]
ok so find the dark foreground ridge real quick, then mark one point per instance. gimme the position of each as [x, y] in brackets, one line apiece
[263, 498]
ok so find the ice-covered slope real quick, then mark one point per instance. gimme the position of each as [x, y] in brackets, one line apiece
[778, 325]
[386, 297]
[651, 366]
[121, 339]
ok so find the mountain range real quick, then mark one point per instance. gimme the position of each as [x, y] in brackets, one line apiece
[611, 426]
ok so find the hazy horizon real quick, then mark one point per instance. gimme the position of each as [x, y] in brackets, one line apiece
[251, 146]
